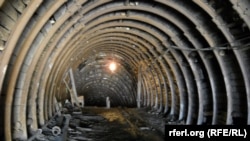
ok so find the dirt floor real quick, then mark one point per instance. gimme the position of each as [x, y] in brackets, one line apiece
[102, 124]
[121, 124]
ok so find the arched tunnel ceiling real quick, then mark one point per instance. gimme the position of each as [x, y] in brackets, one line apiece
[189, 59]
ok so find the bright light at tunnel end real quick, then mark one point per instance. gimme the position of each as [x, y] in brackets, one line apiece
[112, 66]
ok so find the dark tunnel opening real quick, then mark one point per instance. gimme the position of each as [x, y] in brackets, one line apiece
[181, 61]
[106, 76]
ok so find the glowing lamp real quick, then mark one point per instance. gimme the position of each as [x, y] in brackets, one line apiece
[112, 66]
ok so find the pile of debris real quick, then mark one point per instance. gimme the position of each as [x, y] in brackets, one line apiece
[70, 124]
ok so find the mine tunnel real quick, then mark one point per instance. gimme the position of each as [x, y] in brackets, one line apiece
[183, 60]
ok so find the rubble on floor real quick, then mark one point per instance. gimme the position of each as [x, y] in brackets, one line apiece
[102, 124]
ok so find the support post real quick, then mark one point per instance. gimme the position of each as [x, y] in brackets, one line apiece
[107, 102]
[139, 88]
[73, 94]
